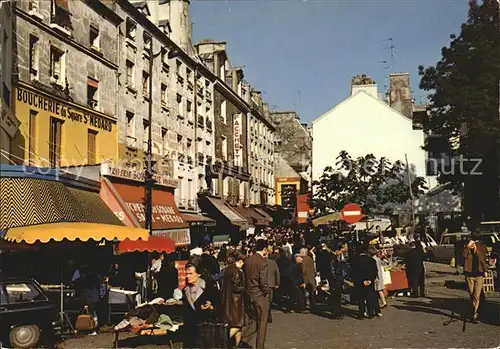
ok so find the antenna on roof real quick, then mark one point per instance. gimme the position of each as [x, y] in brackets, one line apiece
[386, 75]
[391, 49]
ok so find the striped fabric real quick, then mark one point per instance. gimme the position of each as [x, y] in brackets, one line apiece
[30, 201]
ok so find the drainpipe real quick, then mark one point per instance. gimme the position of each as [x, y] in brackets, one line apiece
[195, 111]
[118, 90]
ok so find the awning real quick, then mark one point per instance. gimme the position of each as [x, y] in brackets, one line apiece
[323, 220]
[196, 219]
[252, 216]
[153, 244]
[73, 231]
[181, 237]
[263, 214]
[33, 201]
[229, 213]
[128, 198]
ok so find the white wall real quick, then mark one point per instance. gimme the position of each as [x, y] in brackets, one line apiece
[362, 125]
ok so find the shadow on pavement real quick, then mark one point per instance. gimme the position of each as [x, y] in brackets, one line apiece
[454, 308]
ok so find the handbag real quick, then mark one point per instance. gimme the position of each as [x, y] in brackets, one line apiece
[213, 335]
[85, 321]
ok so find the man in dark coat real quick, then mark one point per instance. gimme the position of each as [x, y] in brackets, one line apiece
[274, 280]
[323, 262]
[258, 291]
[336, 281]
[309, 273]
[364, 273]
[168, 279]
[415, 270]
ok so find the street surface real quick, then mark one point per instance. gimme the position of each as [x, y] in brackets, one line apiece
[407, 323]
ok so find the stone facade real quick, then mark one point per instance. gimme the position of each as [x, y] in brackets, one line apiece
[293, 140]
[182, 103]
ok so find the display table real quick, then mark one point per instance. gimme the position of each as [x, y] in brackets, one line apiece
[398, 281]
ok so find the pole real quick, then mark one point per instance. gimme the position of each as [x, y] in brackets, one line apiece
[411, 192]
[149, 154]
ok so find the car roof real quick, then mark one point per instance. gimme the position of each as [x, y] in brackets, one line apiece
[10, 279]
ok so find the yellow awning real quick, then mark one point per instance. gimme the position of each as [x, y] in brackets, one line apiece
[332, 217]
[74, 231]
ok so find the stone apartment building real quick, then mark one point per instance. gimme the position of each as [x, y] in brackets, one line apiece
[230, 175]
[65, 84]
[182, 96]
[8, 123]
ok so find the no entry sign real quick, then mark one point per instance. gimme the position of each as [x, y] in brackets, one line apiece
[351, 213]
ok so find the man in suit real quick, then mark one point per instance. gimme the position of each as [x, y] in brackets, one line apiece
[309, 273]
[257, 280]
[364, 273]
[274, 279]
[475, 266]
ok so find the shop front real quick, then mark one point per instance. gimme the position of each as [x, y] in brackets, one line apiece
[124, 193]
[57, 132]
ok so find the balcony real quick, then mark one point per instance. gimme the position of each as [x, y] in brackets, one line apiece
[191, 204]
[190, 85]
[209, 160]
[201, 121]
[92, 103]
[208, 96]
[180, 79]
[201, 92]
[190, 160]
[201, 158]
[61, 21]
[180, 157]
[209, 125]
[182, 203]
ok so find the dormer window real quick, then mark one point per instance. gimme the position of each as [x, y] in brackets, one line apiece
[148, 42]
[130, 29]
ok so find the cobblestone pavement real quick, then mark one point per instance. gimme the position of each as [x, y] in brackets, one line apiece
[406, 323]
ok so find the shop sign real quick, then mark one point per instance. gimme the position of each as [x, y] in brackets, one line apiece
[7, 120]
[237, 138]
[288, 179]
[40, 102]
[160, 214]
[180, 236]
[109, 170]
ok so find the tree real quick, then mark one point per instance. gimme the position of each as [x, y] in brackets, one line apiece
[372, 183]
[464, 106]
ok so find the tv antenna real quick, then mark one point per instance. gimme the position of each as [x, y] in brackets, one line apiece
[391, 49]
[386, 76]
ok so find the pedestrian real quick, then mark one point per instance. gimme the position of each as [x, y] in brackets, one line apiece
[364, 274]
[233, 287]
[257, 281]
[323, 262]
[297, 284]
[415, 270]
[309, 274]
[475, 266]
[380, 282]
[336, 281]
[274, 280]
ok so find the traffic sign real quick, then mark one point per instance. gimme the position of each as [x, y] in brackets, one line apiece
[351, 213]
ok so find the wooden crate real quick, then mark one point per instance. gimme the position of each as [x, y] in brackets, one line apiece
[489, 282]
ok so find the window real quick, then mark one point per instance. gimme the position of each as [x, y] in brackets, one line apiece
[130, 29]
[57, 66]
[223, 111]
[164, 141]
[91, 152]
[34, 5]
[32, 137]
[92, 93]
[179, 66]
[189, 108]
[178, 191]
[130, 74]
[34, 56]
[145, 133]
[224, 148]
[148, 43]
[94, 37]
[164, 96]
[55, 142]
[145, 84]
[179, 105]
[61, 16]
[131, 139]
[23, 293]
[189, 73]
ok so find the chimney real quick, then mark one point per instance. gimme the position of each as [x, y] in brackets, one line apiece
[400, 94]
[235, 79]
[180, 22]
[363, 82]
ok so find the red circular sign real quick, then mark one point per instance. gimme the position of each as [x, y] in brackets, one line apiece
[351, 213]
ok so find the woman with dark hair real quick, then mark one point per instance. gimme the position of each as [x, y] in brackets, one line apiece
[233, 286]
[199, 300]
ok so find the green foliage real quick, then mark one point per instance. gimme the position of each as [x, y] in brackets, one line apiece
[464, 88]
[372, 183]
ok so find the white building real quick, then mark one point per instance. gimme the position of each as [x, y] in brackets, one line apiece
[364, 124]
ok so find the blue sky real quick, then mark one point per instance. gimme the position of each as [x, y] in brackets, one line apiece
[303, 53]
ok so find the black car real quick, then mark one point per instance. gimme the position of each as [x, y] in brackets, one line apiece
[27, 316]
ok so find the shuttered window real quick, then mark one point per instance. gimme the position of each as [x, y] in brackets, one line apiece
[91, 152]
[55, 142]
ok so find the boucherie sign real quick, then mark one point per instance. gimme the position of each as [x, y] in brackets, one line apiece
[119, 172]
[160, 214]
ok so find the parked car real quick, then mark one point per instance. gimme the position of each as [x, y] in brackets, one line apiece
[27, 316]
[370, 223]
[444, 251]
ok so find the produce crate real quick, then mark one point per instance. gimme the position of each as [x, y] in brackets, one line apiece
[489, 282]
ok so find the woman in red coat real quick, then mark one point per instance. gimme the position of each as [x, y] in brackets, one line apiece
[233, 287]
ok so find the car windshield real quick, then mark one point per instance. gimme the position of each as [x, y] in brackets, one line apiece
[23, 293]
